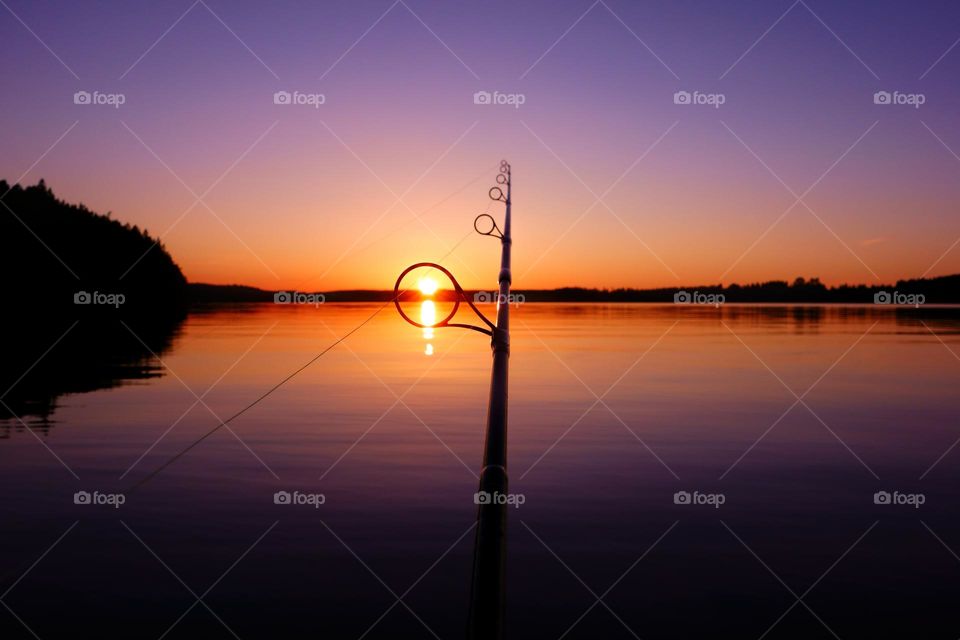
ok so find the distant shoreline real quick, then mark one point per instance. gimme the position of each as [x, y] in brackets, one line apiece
[943, 290]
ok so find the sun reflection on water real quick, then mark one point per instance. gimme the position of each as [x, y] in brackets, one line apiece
[428, 315]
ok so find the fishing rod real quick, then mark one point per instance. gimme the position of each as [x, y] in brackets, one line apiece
[487, 590]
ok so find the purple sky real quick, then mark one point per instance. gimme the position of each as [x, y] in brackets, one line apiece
[308, 197]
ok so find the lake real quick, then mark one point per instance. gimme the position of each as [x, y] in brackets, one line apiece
[678, 471]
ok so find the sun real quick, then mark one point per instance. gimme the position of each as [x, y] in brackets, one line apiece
[427, 286]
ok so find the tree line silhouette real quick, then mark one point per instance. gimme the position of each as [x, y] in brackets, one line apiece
[50, 250]
[57, 337]
[941, 290]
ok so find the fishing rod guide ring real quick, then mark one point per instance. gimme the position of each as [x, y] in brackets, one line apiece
[460, 296]
[397, 294]
[494, 230]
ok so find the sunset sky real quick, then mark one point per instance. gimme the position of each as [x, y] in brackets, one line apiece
[297, 195]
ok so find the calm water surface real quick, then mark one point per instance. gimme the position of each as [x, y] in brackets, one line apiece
[793, 417]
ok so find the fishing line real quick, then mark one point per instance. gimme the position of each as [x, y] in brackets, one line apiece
[282, 382]
[423, 213]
